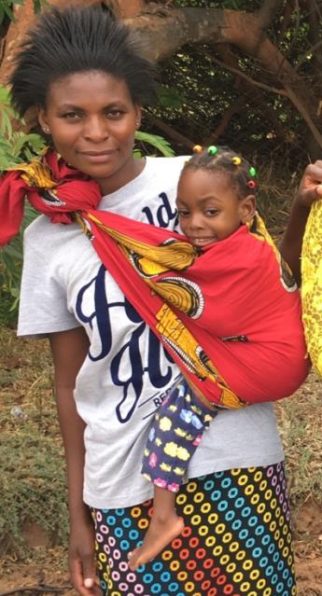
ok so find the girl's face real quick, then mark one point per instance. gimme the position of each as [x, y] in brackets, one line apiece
[208, 206]
[92, 121]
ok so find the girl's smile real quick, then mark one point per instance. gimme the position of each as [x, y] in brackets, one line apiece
[209, 207]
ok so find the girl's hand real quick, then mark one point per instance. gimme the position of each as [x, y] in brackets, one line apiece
[310, 188]
[82, 560]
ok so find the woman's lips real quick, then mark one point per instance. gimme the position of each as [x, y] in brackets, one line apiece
[97, 156]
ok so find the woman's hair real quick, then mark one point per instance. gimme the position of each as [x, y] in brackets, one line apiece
[222, 159]
[79, 39]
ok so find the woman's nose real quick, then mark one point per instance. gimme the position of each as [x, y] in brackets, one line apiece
[96, 129]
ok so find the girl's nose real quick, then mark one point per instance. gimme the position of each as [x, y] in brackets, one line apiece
[195, 222]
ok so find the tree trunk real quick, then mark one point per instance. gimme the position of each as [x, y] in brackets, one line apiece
[165, 30]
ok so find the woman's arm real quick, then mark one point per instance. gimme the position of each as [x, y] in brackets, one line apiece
[69, 349]
[309, 190]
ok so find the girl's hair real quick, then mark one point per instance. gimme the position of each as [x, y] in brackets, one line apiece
[79, 39]
[222, 159]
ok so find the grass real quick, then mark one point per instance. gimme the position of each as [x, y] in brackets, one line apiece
[32, 480]
[31, 458]
[32, 465]
[300, 421]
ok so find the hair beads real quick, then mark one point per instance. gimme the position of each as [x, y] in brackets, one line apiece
[252, 183]
[236, 160]
[223, 159]
[197, 149]
[212, 150]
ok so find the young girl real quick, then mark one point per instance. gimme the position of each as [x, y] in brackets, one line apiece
[243, 311]
[85, 77]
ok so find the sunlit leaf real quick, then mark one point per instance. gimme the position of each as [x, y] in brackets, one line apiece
[159, 143]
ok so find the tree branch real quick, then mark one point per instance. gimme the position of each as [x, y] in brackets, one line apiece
[170, 132]
[268, 12]
[314, 19]
[310, 50]
[301, 108]
[165, 35]
[244, 76]
[235, 108]
[166, 31]
[129, 9]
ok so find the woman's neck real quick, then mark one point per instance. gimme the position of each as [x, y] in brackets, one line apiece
[121, 177]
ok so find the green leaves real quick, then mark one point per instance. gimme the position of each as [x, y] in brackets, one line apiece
[170, 97]
[6, 111]
[15, 146]
[6, 9]
[38, 4]
[7, 6]
[155, 141]
[11, 257]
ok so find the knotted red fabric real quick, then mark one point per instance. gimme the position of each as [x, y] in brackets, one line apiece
[229, 315]
[51, 187]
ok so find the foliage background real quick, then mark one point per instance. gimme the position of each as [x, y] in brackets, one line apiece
[208, 93]
[218, 93]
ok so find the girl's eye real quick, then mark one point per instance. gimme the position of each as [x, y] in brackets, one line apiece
[183, 212]
[211, 212]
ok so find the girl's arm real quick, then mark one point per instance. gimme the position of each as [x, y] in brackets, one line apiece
[309, 190]
[69, 349]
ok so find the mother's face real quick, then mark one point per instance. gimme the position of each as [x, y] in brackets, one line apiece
[92, 121]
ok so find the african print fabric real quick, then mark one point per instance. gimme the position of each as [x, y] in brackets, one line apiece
[236, 540]
[229, 315]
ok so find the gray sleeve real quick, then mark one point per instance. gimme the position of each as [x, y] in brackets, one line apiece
[43, 299]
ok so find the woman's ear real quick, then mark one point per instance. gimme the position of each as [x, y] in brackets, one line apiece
[138, 116]
[43, 121]
[247, 208]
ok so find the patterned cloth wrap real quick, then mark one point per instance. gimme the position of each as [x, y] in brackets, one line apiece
[229, 315]
[183, 295]
[311, 265]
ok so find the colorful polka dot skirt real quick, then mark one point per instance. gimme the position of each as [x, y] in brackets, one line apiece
[236, 540]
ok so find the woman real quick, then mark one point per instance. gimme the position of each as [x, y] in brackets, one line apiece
[85, 75]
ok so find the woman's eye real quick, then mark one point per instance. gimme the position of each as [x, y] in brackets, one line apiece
[114, 114]
[72, 116]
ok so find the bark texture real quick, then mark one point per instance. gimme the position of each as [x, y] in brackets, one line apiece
[165, 29]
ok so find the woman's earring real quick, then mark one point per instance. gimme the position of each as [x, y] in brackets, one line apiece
[46, 130]
[138, 124]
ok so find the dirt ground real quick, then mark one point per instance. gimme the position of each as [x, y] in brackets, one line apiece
[47, 572]
[44, 572]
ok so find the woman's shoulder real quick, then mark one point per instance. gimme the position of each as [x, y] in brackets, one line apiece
[167, 164]
[42, 233]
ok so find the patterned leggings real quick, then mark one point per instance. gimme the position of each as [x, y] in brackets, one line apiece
[175, 434]
[236, 540]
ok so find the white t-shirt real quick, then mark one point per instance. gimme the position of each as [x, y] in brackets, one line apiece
[127, 372]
